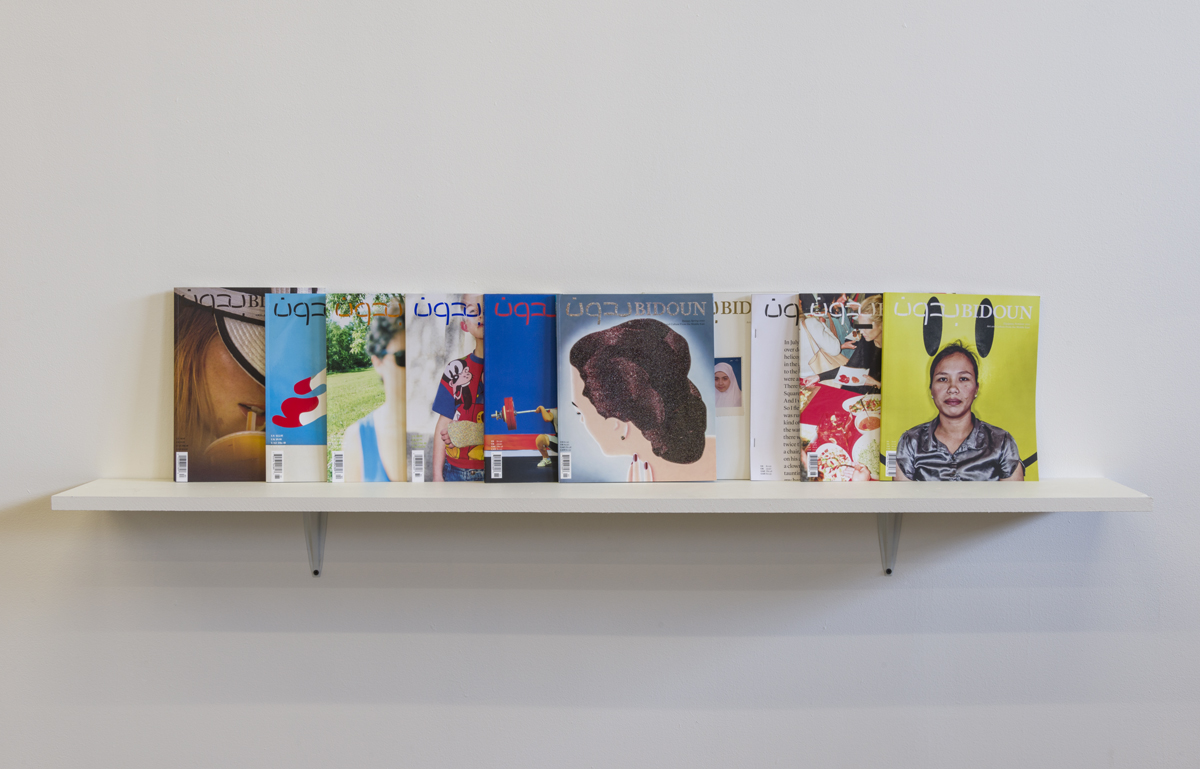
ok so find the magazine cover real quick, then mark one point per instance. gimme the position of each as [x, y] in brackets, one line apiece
[960, 378]
[841, 358]
[444, 337]
[839, 434]
[520, 442]
[364, 348]
[775, 445]
[220, 376]
[635, 376]
[295, 385]
[731, 378]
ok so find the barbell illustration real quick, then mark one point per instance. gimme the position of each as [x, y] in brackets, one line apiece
[508, 413]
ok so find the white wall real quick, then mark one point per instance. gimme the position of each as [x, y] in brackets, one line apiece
[1039, 147]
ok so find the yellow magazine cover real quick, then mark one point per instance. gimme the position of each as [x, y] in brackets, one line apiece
[959, 383]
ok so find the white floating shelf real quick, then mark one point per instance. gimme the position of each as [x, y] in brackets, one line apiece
[889, 500]
[1059, 495]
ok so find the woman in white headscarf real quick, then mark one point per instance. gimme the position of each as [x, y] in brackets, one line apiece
[729, 395]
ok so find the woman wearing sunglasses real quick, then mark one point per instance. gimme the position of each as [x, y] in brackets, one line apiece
[374, 445]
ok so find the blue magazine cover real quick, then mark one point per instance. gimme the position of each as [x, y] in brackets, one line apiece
[521, 429]
[295, 331]
[636, 389]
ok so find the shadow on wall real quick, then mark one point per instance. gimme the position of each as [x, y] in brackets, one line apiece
[748, 611]
[145, 428]
[540, 573]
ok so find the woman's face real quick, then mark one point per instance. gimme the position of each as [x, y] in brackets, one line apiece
[391, 373]
[233, 393]
[873, 333]
[606, 432]
[722, 381]
[954, 386]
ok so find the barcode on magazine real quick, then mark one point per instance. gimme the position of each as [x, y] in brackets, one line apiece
[497, 465]
[812, 464]
[418, 466]
[564, 466]
[276, 466]
[339, 467]
[181, 467]
[889, 468]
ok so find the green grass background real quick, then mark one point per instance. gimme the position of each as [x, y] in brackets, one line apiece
[351, 396]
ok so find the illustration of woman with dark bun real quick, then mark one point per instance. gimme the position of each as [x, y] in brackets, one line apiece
[630, 387]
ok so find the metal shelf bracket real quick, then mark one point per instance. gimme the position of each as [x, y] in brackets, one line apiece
[889, 538]
[314, 535]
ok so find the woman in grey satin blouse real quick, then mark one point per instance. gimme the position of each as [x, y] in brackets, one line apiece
[956, 445]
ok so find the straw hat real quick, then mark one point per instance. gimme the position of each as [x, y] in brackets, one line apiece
[240, 315]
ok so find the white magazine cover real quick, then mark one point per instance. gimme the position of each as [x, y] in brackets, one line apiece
[444, 383]
[775, 442]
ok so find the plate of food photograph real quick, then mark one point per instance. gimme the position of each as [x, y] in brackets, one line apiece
[833, 463]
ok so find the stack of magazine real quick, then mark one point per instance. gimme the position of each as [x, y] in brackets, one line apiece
[303, 385]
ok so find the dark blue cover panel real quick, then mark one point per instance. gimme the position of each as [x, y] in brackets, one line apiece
[521, 399]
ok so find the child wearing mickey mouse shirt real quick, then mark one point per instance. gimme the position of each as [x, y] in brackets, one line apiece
[458, 447]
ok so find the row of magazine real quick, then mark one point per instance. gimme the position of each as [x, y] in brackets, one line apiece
[296, 384]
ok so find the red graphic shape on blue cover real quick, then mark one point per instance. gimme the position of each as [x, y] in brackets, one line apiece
[298, 412]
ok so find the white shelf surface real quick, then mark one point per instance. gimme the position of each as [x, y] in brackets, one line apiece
[1047, 496]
